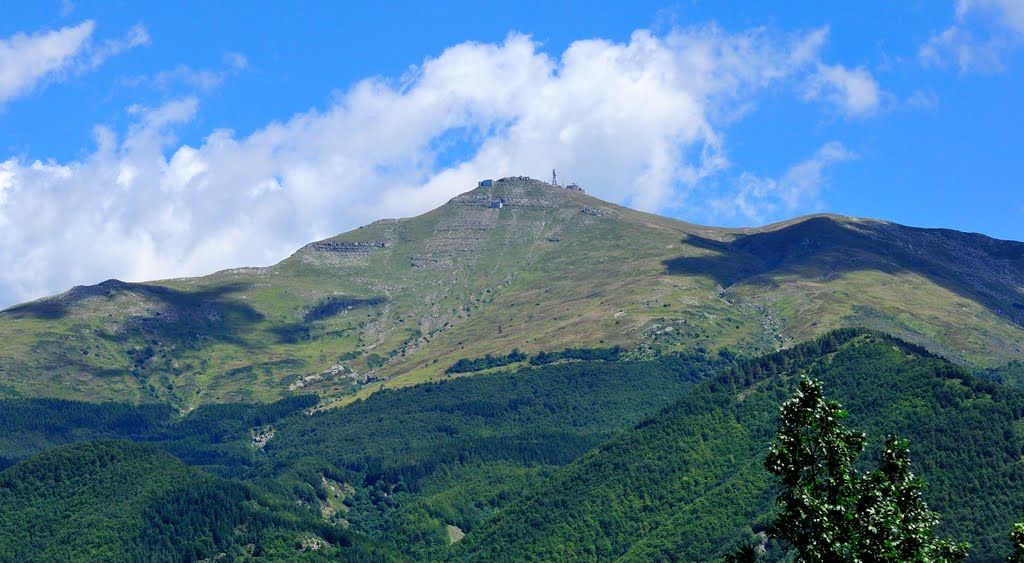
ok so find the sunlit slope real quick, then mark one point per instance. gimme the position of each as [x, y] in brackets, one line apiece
[522, 264]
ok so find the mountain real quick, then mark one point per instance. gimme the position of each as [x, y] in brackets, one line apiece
[688, 484]
[520, 264]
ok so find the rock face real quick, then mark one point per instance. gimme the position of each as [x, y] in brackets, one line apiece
[474, 197]
[349, 247]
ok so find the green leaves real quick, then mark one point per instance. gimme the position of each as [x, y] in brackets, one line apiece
[892, 518]
[813, 455]
[829, 511]
[1017, 537]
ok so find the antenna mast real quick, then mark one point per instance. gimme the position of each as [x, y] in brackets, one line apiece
[554, 178]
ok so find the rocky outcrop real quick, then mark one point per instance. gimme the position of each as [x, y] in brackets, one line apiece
[472, 198]
[517, 179]
[349, 247]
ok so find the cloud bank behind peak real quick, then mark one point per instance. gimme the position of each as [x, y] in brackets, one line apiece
[641, 122]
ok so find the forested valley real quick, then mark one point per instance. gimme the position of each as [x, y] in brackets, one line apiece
[572, 459]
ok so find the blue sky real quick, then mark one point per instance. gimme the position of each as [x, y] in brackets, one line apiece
[150, 140]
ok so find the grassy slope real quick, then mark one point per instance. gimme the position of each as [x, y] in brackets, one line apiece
[688, 484]
[552, 268]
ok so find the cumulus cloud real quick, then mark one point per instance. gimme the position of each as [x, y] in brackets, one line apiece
[983, 32]
[760, 200]
[854, 92]
[639, 122]
[27, 60]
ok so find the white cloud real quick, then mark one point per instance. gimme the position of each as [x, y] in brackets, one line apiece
[137, 36]
[956, 45]
[984, 31]
[198, 80]
[1007, 13]
[27, 60]
[237, 61]
[201, 80]
[922, 99]
[854, 92]
[641, 121]
[761, 200]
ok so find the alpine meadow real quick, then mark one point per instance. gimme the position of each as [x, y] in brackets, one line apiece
[528, 342]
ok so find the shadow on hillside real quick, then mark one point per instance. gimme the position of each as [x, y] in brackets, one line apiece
[981, 269]
[325, 309]
[185, 316]
[333, 306]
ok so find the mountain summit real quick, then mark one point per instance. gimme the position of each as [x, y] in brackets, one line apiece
[517, 264]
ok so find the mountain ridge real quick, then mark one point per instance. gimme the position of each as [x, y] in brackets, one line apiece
[521, 265]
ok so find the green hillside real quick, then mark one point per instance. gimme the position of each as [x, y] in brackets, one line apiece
[400, 301]
[402, 466]
[119, 501]
[688, 484]
[550, 462]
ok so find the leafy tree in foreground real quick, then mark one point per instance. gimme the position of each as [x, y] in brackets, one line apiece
[831, 513]
[1017, 538]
